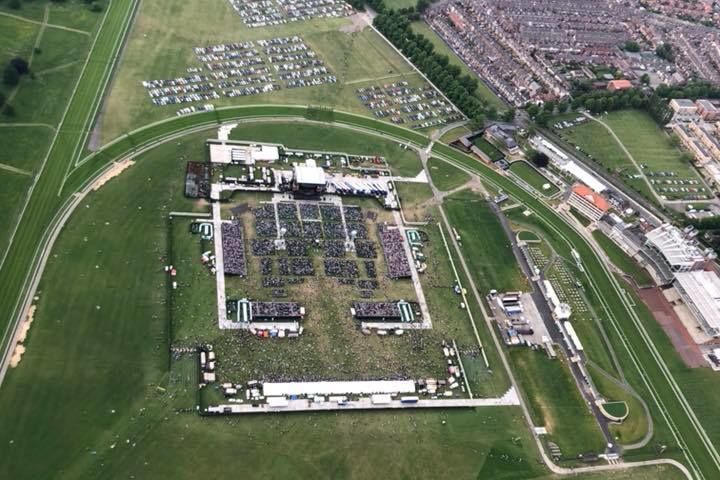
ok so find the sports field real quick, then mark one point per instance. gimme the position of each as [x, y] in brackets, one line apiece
[652, 156]
[160, 46]
[534, 178]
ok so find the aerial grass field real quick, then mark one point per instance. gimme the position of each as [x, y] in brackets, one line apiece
[533, 177]
[107, 330]
[38, 100]
[445, 176]
[650, 146]
[634, 349]
[622, 260]
[489, 252]
[635, 426]
[556, 403]
[416, 200]
[160, 46]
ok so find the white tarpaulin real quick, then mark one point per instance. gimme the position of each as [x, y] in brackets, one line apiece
[338, 388]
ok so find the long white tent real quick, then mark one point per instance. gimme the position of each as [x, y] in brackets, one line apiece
[338, 388]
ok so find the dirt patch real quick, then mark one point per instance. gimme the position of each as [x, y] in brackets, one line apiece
[112, 172]
[22, 336]
[665, 315]
[17, 356]
[358, 23]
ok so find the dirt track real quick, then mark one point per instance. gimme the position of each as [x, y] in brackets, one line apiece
[674, 328]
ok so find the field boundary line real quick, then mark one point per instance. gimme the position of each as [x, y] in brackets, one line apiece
[50, 25]
[10, 168]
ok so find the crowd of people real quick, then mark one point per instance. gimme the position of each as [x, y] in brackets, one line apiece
[276, 310]
[396, 258]
[233, 247]
[377, 310]
[302, 267]
[341, 268]
[365, 249]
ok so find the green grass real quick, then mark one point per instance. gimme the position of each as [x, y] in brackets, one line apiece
[625, 329]
[113, 251]
[398, 4]
[488, 149]
[160, 46]
[635, 426]
[454, 134]
[533, 177]
[414, 198]
[13, 188]
[647, 142]
[616, 408]
[555, 402]
[528, 236]
[441, 47]
[446, 177]
[404, 162]
[488, 250]
[621, 259]
[24, 147]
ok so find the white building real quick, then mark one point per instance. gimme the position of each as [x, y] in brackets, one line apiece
[226, 151]
[683, 107]
[700, 290]
[680, 252]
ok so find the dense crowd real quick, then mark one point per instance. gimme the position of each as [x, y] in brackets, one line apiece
[276, 310]
[377, 310]
[296, 266]
[333, 249]
[365, 249]
[341, 268]
[262, 247]
[233, 249]
[394, 251]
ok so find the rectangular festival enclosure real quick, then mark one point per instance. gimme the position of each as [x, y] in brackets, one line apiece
[338, 388]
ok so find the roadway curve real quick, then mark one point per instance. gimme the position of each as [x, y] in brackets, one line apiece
[79, 181]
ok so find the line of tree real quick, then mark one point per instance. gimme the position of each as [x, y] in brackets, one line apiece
[460, 88]
[692, 90]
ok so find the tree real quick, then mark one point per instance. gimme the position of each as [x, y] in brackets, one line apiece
[21, 65]
[533, 110]
[508, 115]
[9, 110]
[645, 79]
[11, 77]
[539, 159]
[631, 46]
[665, 51]
[2, 99]
[14, 4]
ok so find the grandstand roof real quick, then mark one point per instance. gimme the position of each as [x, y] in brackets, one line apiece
[338, 388]
[588, 194]
[677, 250]
[307, 175]
[584, 176]
[703, 289]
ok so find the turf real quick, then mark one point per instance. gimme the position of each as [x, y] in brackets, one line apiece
[488, 149]
[635, 426]
[556, 403]
[415, 199]
[489, 253]
[112, 318]
[621, 260]
[533, 177]
[454, 134]
[647, 142]
[446, 177]
[23, 147]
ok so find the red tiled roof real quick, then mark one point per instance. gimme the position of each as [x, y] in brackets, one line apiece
[595, 198]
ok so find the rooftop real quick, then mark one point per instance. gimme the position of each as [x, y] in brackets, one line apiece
[588, 194]
[703, 289]
[677, 250]
[309, 175]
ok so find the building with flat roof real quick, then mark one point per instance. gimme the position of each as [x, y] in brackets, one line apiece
[700, 290]
[671, 251]
[563, 161]
[683, 106]
[589, 203]
[309, 178]
[707, 110]
[228, 151]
